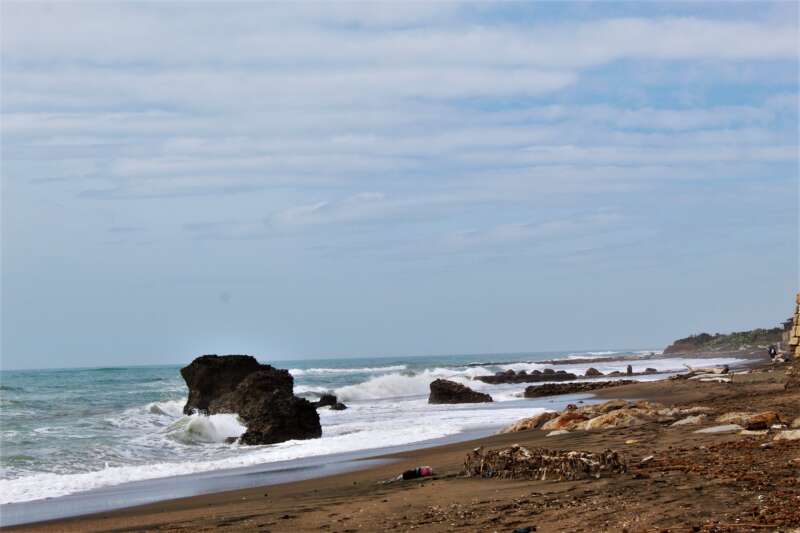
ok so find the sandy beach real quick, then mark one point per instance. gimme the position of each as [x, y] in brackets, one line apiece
[694, 482]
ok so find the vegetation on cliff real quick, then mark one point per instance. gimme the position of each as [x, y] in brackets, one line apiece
[731, 342]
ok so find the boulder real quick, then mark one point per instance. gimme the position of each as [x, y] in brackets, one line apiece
[751, 421]
[532, 422]
[261, 395]
[444, 391]
[329, 400]
[619, 418]
[592, 372]
[650, 371]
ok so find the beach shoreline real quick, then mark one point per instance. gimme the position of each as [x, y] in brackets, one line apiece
[322, 503]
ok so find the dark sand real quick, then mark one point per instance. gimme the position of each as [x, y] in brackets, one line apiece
[696, 482]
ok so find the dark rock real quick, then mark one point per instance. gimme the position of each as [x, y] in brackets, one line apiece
[650, 371]
[444, 391]
[552, 389]
[629, 370]
[535, 376]
[329, 400]
[592, 372]
[261, 395]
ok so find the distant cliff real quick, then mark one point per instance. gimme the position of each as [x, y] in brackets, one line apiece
[704, 343]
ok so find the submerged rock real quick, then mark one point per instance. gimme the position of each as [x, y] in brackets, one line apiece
[329, 400]
[444, 391]
[261, 395]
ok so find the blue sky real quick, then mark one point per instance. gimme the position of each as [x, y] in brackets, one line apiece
[359, 179]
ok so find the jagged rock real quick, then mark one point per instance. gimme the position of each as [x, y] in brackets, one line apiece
[509, 376]
[261, 395]
[592, 372]
[750, 420]
[619, 418]
[552, 389]
[566, 420]
[518, 462]
[533, 422]
[444, 391]
[329, 400]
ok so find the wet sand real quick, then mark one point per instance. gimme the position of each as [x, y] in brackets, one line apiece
[695, 482]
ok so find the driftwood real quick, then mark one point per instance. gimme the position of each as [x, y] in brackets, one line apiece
[708, 370]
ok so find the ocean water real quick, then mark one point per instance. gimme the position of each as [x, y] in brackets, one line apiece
[72, 430]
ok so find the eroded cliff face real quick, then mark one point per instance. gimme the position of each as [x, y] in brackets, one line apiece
[261, 395]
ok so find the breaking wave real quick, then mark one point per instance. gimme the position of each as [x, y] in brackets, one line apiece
[365, 370]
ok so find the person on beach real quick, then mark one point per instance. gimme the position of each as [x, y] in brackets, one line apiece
[773, 352]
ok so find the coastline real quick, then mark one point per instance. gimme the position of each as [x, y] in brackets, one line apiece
[316, 503]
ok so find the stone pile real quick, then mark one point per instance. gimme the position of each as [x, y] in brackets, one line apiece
[518, 462]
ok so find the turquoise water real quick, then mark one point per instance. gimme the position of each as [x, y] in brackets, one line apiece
[70, 430]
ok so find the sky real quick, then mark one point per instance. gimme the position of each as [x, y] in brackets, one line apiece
[307, 180]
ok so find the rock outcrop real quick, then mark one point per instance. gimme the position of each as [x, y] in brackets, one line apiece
[509, 376]
[261, 395]
[444, 391]
[552, 389]
[592, 372]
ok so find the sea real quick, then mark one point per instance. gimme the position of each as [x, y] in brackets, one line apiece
[66, 431]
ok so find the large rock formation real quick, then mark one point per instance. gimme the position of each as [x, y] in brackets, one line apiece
[444, 391]
[261, 395]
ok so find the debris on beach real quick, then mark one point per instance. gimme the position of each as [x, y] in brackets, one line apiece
[414, 473]
[518, 462]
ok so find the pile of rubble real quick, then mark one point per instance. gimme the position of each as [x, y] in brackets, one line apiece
[518, 462]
